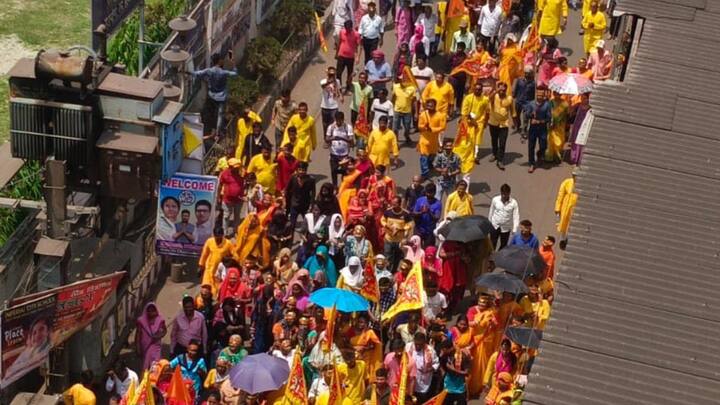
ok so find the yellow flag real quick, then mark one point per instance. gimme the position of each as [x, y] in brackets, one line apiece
[146, 388]
[438, 399]
[410, 294]
[323, 43]
[131, 395]
[295, 392]
[330, 330]
[402, 386]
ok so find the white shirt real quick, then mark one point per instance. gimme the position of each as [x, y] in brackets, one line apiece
[424, 372]
[339, 147]
[468, 39]
[343, 11]
[504, 216]
[381, 110]
[434, 305]
[288, 358]
[429, 24]
[489, 20]
[371, 27]
[422, 77]
[318, 387]
[329, 93]
[113, 384]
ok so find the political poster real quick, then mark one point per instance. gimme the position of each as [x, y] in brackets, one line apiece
[186, 214]
[34, 324]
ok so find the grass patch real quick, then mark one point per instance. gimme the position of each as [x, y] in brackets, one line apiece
[42, 23]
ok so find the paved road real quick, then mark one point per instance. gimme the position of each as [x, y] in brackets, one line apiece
[535, 192]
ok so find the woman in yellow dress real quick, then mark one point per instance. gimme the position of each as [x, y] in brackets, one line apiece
[368, 346]
[564, 206]
[558, 128]
[593, 25]
[483, 324]
[511, 62]
[214, 250]
[251, 240]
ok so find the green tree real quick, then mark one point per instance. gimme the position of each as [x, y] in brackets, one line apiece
[292, 17]
[262, 56]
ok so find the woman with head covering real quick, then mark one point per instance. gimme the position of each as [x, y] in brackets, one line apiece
[263, 318]
[315, 221]
[454, 263]
[358, 208]
[279, 232]
[284, 267]
[403, 57]
[303, 277]
[321, 262]
[251, 240]
[403, 22]
[351, 276]
[557, 135]
[419, 43]
[149, 333]
[229, 320]
[511, 63]
[581, 111]
[548, 61]
[297, 291]
[327, 200]
[233, 287]
[413, 249]
[431, 264]
[336, 239]
[356, 244]
[502, 361]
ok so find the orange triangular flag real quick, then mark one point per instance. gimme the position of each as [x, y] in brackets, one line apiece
[409, 295]
[321, 35]
[455, 8]
[370, 289]
[438, 399]
[330, 330]
[362, 126]
[408, 79]
[178, 393]
[462, 132]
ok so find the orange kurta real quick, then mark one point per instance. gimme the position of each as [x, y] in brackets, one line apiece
[252, 242]
[484, 328]
[430, 126]
[372, 357]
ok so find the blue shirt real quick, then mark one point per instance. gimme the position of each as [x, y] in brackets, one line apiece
[190, 370]
[539, 112]
[523, 91]
[376, 72]
[455, 383]
[518, 240]
[217, 81]
[425, 222]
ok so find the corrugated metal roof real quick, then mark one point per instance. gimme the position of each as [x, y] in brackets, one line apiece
[636, 319]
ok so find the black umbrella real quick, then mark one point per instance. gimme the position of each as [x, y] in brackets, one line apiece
[522, 261]
[467, 229]
[501, 281]
[527, 337]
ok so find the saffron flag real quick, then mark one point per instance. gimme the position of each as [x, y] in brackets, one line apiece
[295, 392]
[410, 294]
[131, 395]
[370, 289]
[146, 390]
[402, 385]
[408, 79]
[362, 126]
[438, 399]
[532, 42]
[474, 68]
[330, 330]
[336, 390]
[323, 43]
[455, 8]
[177, 393]
[462, 132]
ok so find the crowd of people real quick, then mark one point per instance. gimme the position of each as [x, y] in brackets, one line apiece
[281, 237]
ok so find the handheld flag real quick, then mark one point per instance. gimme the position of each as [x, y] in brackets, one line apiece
[131, 394]
[336, 390]
[146, 390]
[295, 392]
[455, 8]
[532, 43]
[370, 289]
[410, 294]
[462, 132]
[362, 126]
[330, 330]
[438, 399]
[474, 68]
[402, 385]
[408, 79]
[323, 43]
[178, 393]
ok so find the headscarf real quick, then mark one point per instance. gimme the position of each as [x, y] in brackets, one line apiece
[298, 278]
[354, 280]
[333, 234]
[417, 38]
[252, 241]
[226, 290]
[327, 200]
[234, 317]
[505, 362]
[301, 302]
[414, 251]
[150, 326]
[285, 272]
[357, 210]
[327, 266]
[430, 259]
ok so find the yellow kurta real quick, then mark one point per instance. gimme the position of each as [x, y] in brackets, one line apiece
[552, 13]
[443, 95]
[483, 330]
[306, 137]
[430, 127]
[464, 145]
[479, 106]
[594, 34]
[511, 65]
[542, 313]
[449, 26]
[244, 128]
[381, 145]
[565, 204]
[558, 129]
[265, 171]
[461, 205]
[211, 256]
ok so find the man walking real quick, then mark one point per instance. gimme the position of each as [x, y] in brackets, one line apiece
[523, 93]
[331, 94]
[540, 115]
[347, 51]
[504, 216]
[491, 15]
[371, 29]
[502, 112]
[283, 109]
[339, 136]
[299, 193]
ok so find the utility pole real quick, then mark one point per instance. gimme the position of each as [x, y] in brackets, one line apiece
[55, 198]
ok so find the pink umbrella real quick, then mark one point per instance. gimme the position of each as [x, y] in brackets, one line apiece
[570, 83]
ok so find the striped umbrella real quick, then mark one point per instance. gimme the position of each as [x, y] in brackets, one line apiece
[570, 83]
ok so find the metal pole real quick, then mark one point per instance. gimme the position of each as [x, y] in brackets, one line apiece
[55, 198]
[141, 38]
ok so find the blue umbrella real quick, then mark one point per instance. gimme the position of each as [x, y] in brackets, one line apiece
[259, 373]
[343, 300]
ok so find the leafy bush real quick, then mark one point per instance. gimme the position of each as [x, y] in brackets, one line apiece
[262, 56]
[124, 48]
[292, 17]
[26, 185]
[241, 93]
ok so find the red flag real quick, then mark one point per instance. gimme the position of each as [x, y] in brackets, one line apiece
[330, 330]
[362, 126]
[455, 8]
[370, 289]
[437, 399]
[295, 392]
[474, 68]
[462, 132]
[398, 392]
[177, 393]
